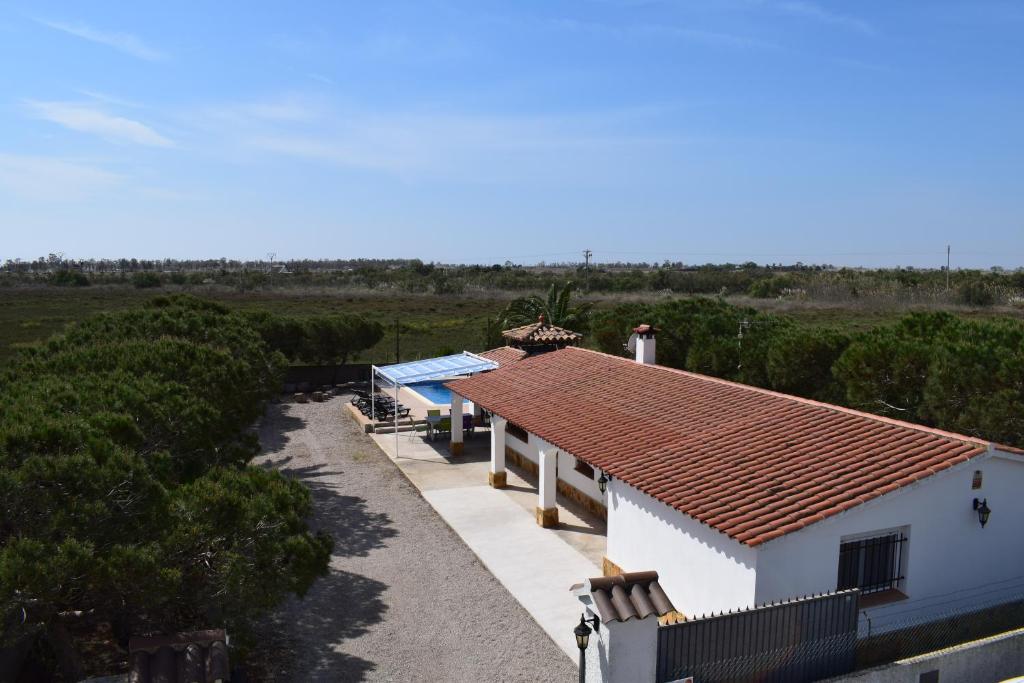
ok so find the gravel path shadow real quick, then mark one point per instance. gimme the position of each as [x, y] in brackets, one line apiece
[405, 599]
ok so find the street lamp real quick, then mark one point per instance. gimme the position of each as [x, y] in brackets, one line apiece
[602, 483]
[582, 633]
[983, 511]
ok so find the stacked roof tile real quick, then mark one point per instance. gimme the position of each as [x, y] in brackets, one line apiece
[541, 333]
[749, 462]
[197, 657]
[628, 596]
[503, 355]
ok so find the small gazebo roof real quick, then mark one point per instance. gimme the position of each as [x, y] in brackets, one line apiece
[540, 333]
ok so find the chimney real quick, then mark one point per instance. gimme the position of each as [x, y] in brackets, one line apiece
[645, 344]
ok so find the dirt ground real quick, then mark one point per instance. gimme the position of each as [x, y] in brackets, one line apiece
[405, 598]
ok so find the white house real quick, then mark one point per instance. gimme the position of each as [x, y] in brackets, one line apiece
[738, 496]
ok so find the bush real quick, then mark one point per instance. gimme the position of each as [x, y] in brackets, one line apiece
[325, 339]
[70, 278]
[145, 279]
[975, 293]
[800, 362]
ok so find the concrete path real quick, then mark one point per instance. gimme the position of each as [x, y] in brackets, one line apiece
[536, 565]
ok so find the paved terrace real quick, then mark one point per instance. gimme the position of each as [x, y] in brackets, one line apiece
[536, 565]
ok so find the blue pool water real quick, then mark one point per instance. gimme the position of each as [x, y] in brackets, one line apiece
[435, 391]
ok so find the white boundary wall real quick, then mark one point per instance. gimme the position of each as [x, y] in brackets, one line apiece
[988, 660]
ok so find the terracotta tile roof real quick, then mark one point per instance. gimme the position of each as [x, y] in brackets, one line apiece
[503, 355]
[751, 463]
[195, 657]
[627, 596]
[541, 333]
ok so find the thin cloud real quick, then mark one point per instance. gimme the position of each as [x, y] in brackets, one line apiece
[41, 178]
[125, 42]
[85, 118]
[810, 10]
[109, 99]
[477, 148]
[665, 31]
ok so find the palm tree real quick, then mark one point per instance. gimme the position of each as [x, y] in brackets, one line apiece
[557, 310]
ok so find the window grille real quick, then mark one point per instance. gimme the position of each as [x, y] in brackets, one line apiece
[872, 564]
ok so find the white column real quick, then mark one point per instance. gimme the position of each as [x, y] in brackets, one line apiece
[547, 508]
[455, 446]
[496, 477]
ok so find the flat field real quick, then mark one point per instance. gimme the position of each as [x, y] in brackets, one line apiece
[428, 324]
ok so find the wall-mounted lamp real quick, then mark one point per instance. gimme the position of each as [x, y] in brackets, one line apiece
[602, 483]
[983, 511]
[582, 633]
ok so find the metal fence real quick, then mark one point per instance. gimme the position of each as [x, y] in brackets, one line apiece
[800, 640]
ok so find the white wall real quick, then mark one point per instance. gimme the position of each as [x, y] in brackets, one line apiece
[566, 465]
[701, 570]
[587, 485]
[950, 560]
[621, 651]
[989, 660]
[526, 449]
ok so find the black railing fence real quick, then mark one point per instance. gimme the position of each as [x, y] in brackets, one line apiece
[800, 640]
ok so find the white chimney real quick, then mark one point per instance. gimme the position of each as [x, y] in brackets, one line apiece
[645, 344]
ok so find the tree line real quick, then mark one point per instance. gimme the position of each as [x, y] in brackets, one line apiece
[935, 369]
[127, 493]
[797, 281]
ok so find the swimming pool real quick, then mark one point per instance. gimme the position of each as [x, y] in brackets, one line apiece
[434, 392]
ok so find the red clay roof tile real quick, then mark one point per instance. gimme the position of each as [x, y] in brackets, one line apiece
[541, 333]
[751, 463]
[503, 355]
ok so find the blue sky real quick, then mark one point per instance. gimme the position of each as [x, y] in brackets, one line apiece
[697, 130]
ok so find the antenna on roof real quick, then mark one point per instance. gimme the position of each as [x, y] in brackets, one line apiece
[631, 344]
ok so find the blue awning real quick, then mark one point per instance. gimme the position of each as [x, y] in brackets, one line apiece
[464, 363]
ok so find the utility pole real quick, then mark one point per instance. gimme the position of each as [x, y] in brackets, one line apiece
[947, 267]
[586, 268]
[397, 356]
[270, 257]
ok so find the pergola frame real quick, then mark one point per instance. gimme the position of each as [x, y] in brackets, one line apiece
[402, 374]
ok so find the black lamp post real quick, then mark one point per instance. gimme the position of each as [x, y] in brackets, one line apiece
[983, 511]
[582, 633]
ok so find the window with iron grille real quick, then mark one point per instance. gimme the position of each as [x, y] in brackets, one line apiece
[872, 564]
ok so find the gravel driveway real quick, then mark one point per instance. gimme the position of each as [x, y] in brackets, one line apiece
[405, 598]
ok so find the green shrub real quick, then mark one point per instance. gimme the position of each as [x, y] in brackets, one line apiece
[146, 279]
[70, 278]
